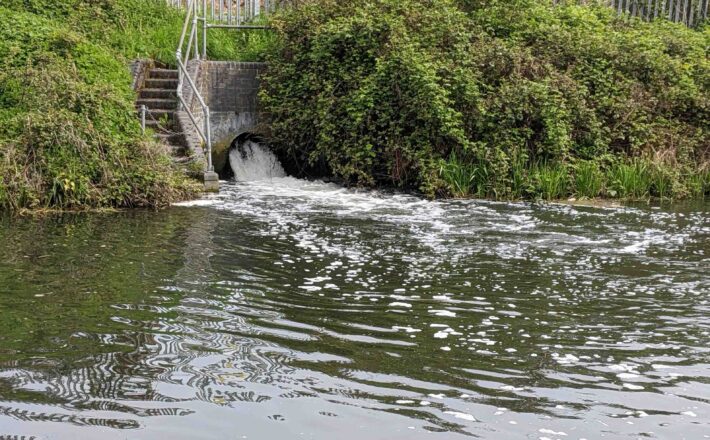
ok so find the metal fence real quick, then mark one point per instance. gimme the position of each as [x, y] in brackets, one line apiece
[689, 12]
[230, 12]
[238, 12]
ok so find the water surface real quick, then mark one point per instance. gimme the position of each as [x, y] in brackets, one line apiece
[289, 309]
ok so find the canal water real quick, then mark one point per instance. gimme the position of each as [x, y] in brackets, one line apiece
[287, 309]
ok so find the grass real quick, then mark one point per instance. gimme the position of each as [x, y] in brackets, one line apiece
[69, 135]
[699, 183]
[635, 179]
[519, 176]
[248, 45]
[661, 182]
[150, 29]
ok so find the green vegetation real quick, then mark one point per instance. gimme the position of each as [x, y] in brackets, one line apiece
[504, 99]
[551, 180]
[69, 136]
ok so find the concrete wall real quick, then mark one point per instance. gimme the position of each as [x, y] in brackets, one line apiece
[231, 90]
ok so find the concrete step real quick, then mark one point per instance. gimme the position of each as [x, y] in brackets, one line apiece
[163, 74]
[181, 158]
[157, 103]
[159, 126]
[160, 83]
[147, 93]
[177, 141]
[161, 114]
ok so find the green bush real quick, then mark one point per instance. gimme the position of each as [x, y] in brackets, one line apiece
[388, 92]
[69, 135]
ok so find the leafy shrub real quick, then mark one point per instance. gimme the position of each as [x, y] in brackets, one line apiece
[385, 92]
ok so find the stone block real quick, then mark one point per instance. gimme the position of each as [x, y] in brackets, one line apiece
[211, 180]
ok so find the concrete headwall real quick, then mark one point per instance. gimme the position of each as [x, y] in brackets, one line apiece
[230, 90]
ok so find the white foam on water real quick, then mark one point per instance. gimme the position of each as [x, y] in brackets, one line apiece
[197, 203]
[460, 415]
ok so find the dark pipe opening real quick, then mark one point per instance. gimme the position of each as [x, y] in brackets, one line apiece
[225, 171]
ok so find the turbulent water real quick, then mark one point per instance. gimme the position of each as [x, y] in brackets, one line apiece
[285, 309]
[251, 162]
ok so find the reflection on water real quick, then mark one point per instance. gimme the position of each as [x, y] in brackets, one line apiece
[292, 309]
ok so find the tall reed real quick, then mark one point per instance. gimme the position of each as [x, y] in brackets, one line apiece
[551, 179]
[630, 180]
[588, 179]
[458, 174]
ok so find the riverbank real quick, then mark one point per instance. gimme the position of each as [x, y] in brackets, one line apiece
[503, 100]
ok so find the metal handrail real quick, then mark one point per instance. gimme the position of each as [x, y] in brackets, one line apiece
[204, 133]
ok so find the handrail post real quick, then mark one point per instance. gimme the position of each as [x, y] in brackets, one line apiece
[183, 56]
[143, 110]
[211, 179]
[208, 140]
[178, 92]
[204, 30]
